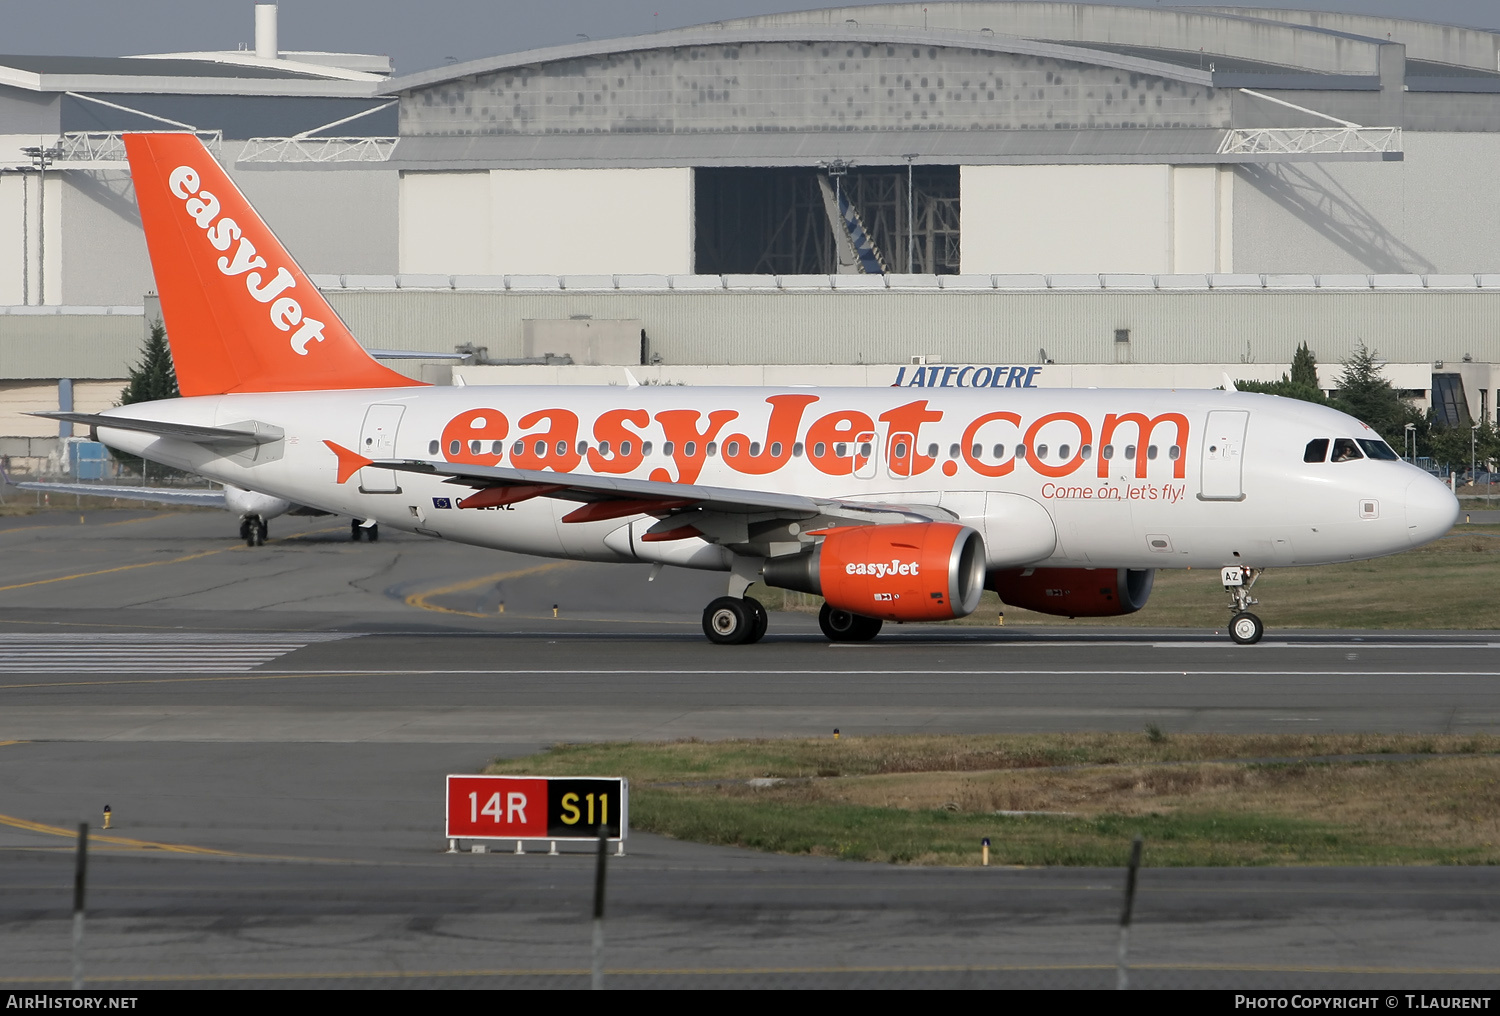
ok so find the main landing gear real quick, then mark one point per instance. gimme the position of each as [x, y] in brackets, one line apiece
[356, 528]
[1244, 627]
[735, 620]
[843, 626]
[253, 530]
[741, 620]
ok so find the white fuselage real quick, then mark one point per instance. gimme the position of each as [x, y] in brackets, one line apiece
[1218, 479]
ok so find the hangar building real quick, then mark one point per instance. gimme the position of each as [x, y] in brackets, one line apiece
[1163, 194]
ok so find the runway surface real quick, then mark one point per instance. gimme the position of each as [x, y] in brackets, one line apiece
[271, 728]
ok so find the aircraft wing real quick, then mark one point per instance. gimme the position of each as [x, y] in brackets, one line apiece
[249, 432]
[201, 496]
[718, 514]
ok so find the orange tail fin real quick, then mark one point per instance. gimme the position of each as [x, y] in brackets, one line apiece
[241, 316]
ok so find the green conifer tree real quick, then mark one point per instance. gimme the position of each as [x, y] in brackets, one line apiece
[1304, 368]
[154, 377]
[1302, 383]
[1368, 397]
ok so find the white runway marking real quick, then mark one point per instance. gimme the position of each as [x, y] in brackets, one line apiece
[112, 653]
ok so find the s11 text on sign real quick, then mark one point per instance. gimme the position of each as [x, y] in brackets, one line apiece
[537, 807]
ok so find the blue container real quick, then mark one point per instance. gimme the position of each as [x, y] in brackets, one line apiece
[88, 460]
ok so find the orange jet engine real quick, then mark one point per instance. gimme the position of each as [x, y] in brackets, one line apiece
[1075, 592]
[916, 571]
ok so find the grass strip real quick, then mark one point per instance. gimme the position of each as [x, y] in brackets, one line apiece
[1073, 799]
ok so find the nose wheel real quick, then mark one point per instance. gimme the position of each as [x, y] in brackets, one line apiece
[253, 530]
[1245, 628]
[735, 620]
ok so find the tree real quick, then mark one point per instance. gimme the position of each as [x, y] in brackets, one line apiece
[1450, 447]
[154, 377]
[1304, 368]
[1368, 397]
[1301, 384]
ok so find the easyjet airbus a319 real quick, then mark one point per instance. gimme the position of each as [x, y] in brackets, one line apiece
[891, 505]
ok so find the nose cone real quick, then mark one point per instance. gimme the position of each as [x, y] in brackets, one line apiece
[1431, 510]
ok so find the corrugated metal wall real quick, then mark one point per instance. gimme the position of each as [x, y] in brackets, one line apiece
[889, 326]
[77, 345]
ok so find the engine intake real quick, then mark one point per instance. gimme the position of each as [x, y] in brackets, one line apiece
[915, 571]
[1075, 592]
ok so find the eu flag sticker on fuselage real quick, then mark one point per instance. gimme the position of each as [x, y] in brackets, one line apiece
[442, 502]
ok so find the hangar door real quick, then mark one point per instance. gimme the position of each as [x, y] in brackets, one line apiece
[776, 221]
[1222, 477]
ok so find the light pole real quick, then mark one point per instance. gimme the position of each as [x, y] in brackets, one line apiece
[40, 158]
[1473, 440]
[910, 214]
[1411, 438]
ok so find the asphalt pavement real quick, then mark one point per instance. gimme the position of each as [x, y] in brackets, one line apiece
[271, 728]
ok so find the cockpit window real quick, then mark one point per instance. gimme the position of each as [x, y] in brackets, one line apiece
[1378, 450]
[1317, 450]
[1345, 450]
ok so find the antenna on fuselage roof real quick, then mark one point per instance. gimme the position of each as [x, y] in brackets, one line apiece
[1229, 383]
[630, 381]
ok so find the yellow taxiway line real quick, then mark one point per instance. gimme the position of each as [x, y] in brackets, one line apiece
[156, 564]
[114, 841]
[421, 599]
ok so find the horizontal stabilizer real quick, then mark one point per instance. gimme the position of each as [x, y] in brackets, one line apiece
[250, 432]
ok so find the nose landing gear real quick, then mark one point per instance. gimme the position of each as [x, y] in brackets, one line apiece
[253, 530]
[1244, 627]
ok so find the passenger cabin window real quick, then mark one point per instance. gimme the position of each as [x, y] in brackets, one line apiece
[1345, 450]
[432, 447]
[1316, 451]
[1378, 450]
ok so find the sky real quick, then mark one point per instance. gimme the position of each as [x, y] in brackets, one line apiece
[419, 34]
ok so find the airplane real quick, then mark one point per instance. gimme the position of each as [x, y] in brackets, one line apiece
[891, 504]
[255, 509]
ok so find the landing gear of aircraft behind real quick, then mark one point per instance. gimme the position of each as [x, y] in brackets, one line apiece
[1244, 628]
[843, 626]
[253, 530]
[356, 529]
[734, 620]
